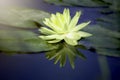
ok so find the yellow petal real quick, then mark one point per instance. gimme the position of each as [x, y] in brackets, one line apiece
[46, 37]
[46, 31]
[71, 41]
[66, 15]
[74, 21]
[73, 35]
[60, 23]
[54, 41]
[53, 18]
[80, 26]
[84, 34]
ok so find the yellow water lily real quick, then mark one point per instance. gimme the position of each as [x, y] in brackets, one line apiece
[63, 27]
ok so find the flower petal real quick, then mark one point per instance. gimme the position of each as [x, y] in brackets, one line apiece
[46, 37]
[80, 26]
[84, 34]
[74, 20]
[66, 15]
[51, 37]
[54, 41]
[46, 31]
[47, 23]
[60, 22]
[73, 35]
[53, 18]
[70, 41]
[53, 26]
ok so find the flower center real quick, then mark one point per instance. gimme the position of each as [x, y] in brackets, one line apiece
[69, 35]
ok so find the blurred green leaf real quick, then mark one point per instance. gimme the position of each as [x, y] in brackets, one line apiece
[17, 34]
[105, 41]
[112, 52]
[90, 3]
[20, 40]
[99, 31]
[115, 4]
[111, 21]
[32, 45]
[23, 18]
[57, 2]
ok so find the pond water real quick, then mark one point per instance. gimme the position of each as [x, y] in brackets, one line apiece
[37, 67]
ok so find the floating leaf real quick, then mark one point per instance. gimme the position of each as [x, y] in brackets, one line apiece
[105, 41]
[20, 40]
[115, 4]
[33, 45]
[112, 52]
[57, 2]
[111, 21]
[22, 18]
[90, 3]
[97, 30]
[14, 34]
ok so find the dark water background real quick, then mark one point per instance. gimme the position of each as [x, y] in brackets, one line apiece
[37, 67]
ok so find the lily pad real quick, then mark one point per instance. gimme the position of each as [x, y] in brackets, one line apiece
[32, 45]
[111, 21]
[105, 41]
[20, 40]
[23, 18]
[88, 3]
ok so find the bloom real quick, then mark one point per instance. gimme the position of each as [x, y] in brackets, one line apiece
[63, 27]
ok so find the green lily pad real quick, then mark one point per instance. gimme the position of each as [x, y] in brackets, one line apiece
[90, 3]
[115, 4]
[111, 21]
[32, 45]
[20, 17]
[105, 41]
[21, 40]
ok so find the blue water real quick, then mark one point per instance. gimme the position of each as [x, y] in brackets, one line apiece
[37, 67]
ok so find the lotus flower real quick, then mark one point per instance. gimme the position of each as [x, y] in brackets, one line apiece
[61, 27]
